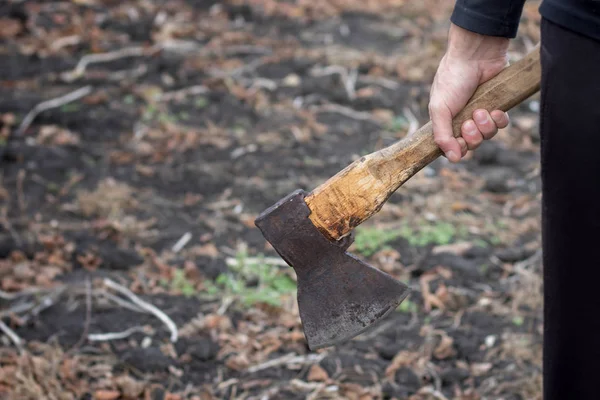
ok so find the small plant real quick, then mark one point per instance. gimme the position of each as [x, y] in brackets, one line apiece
[180, 283]
[252, 281]
[399, 123]
[368, 241]
[407, 306]
[439, 233]
[200, 102]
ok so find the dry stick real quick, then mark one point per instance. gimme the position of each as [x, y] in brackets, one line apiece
[182, 242]
[347, 112]
[288, 359]
[53, 103]
[413, 122]
[12, 335]
[123, 303]
[86, 60]
[105, 337]
[88, 315]
[146, 306]
[182, 93]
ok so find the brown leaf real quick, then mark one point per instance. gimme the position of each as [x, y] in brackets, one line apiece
[9, 28]
[106, 395]
[458, 248]
[207, 250]
[402, 359]
[129, 386]
[445, 348]
[238, 362]
[191, 199]
[317, 373]
[55, 135]
[478, 369]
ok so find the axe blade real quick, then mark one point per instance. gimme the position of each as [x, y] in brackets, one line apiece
[339, 296]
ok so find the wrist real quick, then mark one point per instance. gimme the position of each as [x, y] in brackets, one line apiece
[466, 45]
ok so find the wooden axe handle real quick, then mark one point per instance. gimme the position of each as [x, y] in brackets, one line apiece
[360, 190]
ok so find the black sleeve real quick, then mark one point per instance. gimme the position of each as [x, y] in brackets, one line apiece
[489, 17]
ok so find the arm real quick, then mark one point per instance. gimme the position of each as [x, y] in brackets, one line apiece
[477, 51]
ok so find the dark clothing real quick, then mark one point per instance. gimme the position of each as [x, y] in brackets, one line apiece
[501, 17]
[570, 169]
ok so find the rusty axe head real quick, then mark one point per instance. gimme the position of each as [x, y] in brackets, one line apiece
[339, 296]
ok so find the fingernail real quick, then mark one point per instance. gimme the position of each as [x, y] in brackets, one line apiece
[480, 117]
[470, 128]
[451, 155]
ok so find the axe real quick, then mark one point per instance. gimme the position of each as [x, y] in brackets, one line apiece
[340, 296]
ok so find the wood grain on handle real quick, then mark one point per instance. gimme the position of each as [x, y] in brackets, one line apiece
[360, 190]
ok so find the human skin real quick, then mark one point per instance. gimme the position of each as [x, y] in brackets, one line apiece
[470, 60]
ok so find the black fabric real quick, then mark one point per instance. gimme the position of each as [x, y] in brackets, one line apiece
[570, 168]
[488, 17]
[582, 16]
[501, 17]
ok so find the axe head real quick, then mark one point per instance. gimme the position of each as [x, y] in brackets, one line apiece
[339, 296]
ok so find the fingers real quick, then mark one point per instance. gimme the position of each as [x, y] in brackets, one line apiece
[471, 134]
[485, 123]
[500, 118]
[483, 126]
[441, 118]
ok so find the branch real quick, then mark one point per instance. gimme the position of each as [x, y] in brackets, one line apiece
[12, 335]
[288, 359]
[86, 60]
[145, 305]
[53, 103]
[347, 112]
[105, 337]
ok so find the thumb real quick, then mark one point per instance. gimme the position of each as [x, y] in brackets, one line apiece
[441, 119]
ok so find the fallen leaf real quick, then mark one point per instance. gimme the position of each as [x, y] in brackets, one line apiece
[445, 348]
[317, 373]
[478, 369]
[106, 394]
[238, 362]
[207, 250]
[9, 28]
[402, 359]
[458, 248]
[292, 80]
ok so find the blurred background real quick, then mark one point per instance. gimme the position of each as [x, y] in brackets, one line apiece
[140, 139]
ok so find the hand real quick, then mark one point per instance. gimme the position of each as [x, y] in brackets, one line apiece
[470, 60]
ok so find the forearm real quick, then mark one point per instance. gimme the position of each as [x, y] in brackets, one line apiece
[489, 17]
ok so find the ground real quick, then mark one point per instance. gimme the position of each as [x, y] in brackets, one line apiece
[140, 139]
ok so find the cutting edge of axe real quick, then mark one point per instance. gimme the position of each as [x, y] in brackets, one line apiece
[340, 296]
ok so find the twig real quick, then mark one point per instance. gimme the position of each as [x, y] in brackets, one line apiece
[413, 122]
[11, 296]
[146, 306]
[88, 315]
[432, 392]
[383, 82]
[86, 60]
[288, 359]
[347, 112]
[123, 303]
[105, 337]
[53, 103]
[227, 301]
[230, 261]
[12, 335]
[182, 242]
[182, 93]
